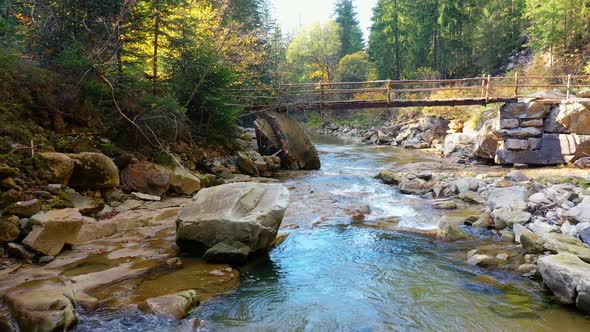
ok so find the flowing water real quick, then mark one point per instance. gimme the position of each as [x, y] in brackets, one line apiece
[334, 274]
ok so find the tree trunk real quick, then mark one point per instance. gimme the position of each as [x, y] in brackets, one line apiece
[396, 32]
[155, 54]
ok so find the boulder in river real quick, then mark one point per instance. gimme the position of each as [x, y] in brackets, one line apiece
[568, 278]
[250, 213]
[279, 133]
[448, 230]
[173, 305]
[94, 171]
[46, 309]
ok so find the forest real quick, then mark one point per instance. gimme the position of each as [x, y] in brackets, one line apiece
[162, 66]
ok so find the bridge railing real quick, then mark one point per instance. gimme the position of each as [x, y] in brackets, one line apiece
[480, 89]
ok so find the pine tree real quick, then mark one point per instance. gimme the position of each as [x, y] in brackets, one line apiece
[351, 35]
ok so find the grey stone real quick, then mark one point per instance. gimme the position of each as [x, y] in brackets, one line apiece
[563, 274]
[246, 165]
[585, 236]
[532, 243]
[504, 217]
[512, 110]
[560, 243]
[517, 176]
[580, 213]
[486, 143]
[247, 212]
[509, 123]
[532, 123]
[280, 133]
[514, 197]
[228, 252]
[516, 144]
[449, 230]
[24, 209]
[555, 149]
[520, 132]
[472, 197]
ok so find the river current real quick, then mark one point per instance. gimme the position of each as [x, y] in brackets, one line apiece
[336, 274]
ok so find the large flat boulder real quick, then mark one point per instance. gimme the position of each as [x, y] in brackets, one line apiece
[145, 177]
[51, 230]
[43, 309]
[567, 277]
[94, 171]
[279, 133]
[250, 213]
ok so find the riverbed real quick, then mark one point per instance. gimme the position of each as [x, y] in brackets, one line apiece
[335, 273]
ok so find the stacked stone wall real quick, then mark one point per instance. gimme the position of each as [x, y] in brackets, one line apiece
[543, 133]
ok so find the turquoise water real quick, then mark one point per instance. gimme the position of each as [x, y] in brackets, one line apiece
[333, 274]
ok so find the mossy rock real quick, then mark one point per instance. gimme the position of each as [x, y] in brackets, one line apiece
[94, 171]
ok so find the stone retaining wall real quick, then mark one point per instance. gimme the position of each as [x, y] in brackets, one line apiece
[543, 133]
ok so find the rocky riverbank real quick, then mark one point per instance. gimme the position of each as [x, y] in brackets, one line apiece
[539, 216]
[81, 231]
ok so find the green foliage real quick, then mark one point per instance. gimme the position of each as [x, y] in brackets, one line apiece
[355, 67]
[351, 35]
[314, 120]
[314, 52]
[451, 37]
[558, 26]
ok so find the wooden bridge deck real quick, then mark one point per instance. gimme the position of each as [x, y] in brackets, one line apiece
[405, 93]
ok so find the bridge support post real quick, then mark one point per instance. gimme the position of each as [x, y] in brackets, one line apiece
[569, 86]
[388, 91]
[488, 89]
[516, 84]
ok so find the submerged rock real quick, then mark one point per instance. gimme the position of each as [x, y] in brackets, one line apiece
[24, 209]
[247, 212]
[280, 133]
[449, 230]
[172, 306]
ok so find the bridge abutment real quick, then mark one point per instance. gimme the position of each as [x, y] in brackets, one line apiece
[543, 132]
